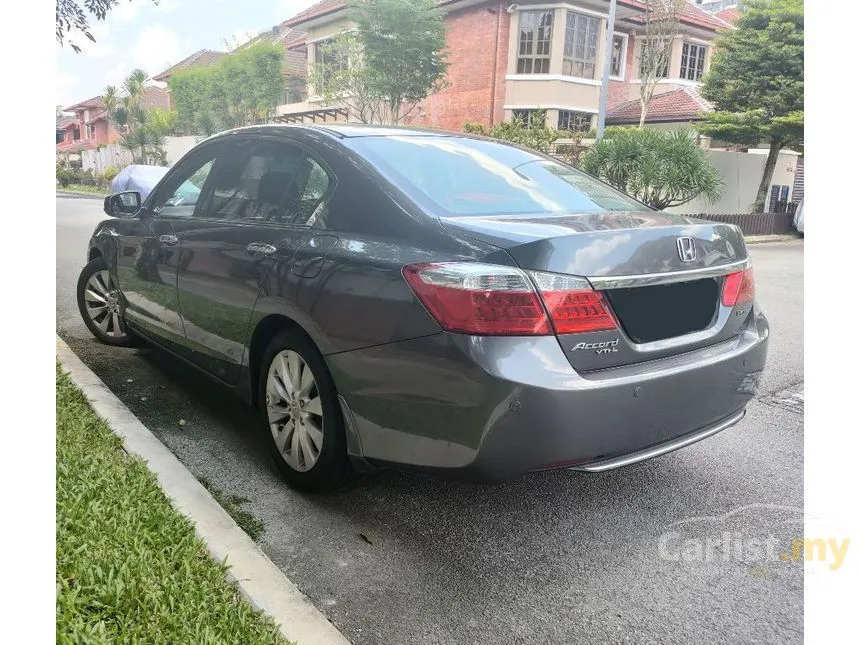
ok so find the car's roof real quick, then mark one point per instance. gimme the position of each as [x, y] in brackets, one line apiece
[346, 130]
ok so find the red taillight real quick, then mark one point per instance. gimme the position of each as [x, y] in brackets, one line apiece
[574, 307]
[483, 299]
[738, 288]
[492, 300]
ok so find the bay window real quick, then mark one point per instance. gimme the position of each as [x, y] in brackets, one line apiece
[535, 42]
[580, 45]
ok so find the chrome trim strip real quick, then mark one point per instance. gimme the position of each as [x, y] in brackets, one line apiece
[601, 283]
[663, 448]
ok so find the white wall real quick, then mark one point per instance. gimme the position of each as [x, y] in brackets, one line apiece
[742, 174]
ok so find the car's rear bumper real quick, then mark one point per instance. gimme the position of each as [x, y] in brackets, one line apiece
[498, 407]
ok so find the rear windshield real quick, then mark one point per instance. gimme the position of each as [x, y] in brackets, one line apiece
[473, 177]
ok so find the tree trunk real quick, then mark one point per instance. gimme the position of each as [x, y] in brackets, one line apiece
[645, 94]
[767, 177]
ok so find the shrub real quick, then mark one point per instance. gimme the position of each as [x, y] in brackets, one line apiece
[536, 137]
[65, 177]
[110, 173]
[661, 168]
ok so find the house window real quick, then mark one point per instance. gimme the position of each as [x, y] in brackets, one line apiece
[530, 118]
[580, 45]
[535, 42]
[331, 61]
[619, 55]
[692, 62]
[574, 121]
[651, 51]
[294, 92]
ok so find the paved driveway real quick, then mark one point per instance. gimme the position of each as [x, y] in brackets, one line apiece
[556, 557]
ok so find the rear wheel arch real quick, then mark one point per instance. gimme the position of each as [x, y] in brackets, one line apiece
[266, 329]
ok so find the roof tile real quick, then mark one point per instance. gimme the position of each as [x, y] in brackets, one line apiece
[683, 104]
[690, 14]
[198, 58]
[314, 11]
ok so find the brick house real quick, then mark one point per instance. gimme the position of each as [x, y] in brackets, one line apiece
[510, 60]
[90, 127]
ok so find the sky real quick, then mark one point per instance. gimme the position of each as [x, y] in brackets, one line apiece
[139, 33]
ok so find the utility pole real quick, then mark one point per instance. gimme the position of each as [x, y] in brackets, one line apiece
[607, 65]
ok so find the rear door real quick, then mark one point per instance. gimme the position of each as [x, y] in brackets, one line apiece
[254, 214]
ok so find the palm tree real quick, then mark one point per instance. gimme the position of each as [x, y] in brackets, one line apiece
[134, 87]
[142, 131]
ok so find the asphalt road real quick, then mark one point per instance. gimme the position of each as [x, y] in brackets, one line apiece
[557, 557]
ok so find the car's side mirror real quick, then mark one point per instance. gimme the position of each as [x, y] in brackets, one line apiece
[122, 204]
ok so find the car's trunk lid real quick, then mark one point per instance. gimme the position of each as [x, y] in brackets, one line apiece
[661, 274]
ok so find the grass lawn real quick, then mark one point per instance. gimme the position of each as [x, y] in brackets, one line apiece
[81, 188]
[129, 567]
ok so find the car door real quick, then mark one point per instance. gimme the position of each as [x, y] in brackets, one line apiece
[254, 215]
[148, 251]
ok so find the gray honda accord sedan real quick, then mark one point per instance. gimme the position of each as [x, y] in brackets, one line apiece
[389, 296]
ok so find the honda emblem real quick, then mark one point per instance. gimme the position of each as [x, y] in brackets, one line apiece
[686, 249]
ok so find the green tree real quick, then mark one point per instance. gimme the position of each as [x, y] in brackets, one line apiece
[655, 54]
[142, 130]
[240, 89]
[661, 168]
[77, 14]
[756, 83]
[394, 60]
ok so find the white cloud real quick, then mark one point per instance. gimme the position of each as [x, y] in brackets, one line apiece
[128, 10]
[240, 37]
[156, 49]
[292, 7]
[65, 83]
[101, 48]
[117, 74]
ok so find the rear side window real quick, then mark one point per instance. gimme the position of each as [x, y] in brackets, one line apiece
[472, 177]
[269, 181]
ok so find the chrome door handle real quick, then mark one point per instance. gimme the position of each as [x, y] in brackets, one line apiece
[169, 240]
[257, 248]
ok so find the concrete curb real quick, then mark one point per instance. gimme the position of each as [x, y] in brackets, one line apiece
[769, 239]
[257, 578]
[61, 193]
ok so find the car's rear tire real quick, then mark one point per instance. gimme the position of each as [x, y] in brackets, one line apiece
[101, 305]
[300, 414]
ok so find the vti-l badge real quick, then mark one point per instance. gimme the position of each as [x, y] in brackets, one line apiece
[686, 249]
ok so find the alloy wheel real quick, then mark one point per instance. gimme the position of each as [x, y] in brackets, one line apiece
[294, 410]
[102, 300]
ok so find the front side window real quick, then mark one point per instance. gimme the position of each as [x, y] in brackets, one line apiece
[692, 62]
[462, 177]
[535, 42]
[619, 53]
[272, 181]
[580, 45]
[574, 121]
[179, 196]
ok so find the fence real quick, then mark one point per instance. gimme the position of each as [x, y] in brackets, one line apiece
[114, 155]
[757, 223]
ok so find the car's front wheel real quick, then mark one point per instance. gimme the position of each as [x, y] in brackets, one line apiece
[304, 422]
[101, 305]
